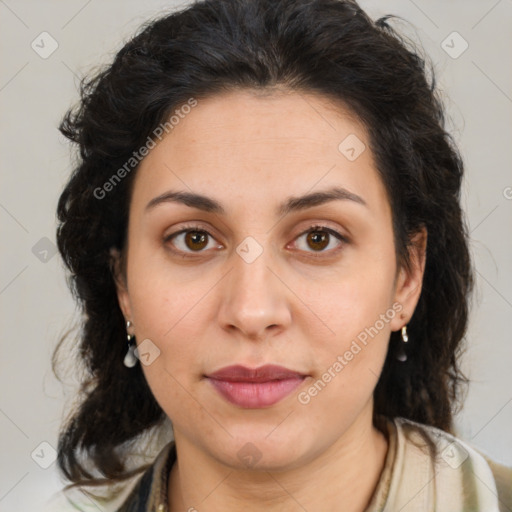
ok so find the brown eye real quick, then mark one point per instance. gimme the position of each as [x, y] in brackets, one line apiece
[320, 239]
[188, 241]
[196, 240]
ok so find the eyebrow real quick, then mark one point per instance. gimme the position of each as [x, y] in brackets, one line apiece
[292, 204]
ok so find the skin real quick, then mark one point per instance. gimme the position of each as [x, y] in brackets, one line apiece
[299, 304]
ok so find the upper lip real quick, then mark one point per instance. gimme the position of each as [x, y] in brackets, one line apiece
[268, 372]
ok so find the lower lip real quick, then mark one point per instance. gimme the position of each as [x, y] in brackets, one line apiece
[255, 395]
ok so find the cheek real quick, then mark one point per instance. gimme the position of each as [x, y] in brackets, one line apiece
[166, 313]
[351, 340]
[160, 304]
[354, 299]
[169, 318]
[348, 360]
[359, 329]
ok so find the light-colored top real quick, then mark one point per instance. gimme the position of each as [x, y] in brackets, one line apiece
[425, 470]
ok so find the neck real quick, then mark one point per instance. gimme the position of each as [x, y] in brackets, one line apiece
[346, 473]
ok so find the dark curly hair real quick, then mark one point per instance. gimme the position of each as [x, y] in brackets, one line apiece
[328, 47]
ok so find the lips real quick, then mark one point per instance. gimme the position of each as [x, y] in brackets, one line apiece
[238, 373]
[255, 387]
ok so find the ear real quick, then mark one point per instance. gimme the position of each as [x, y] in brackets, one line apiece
[118, 274]
[409, 281]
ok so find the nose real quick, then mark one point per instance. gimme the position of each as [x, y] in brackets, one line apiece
[255, 302]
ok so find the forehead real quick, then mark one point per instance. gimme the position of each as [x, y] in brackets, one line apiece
[256, 117]
[260, 145]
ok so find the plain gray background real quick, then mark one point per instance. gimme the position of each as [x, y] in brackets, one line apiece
[36, 306]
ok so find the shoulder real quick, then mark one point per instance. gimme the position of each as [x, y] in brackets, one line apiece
[137, 494]
[456, 463]
[150, 492]
[68, 500]
[503, 478]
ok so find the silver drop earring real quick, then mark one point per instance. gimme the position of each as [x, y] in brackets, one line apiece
[130, 360]
[402, 356]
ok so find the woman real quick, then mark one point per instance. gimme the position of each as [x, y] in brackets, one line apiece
[265, 234]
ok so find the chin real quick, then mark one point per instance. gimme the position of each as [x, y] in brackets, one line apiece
[260, 451]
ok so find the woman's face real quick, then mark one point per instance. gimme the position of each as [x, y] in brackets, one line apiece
[288, 260]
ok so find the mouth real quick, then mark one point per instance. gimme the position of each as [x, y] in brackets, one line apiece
[255, 388]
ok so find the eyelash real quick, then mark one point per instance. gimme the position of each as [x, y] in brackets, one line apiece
[311, 229]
